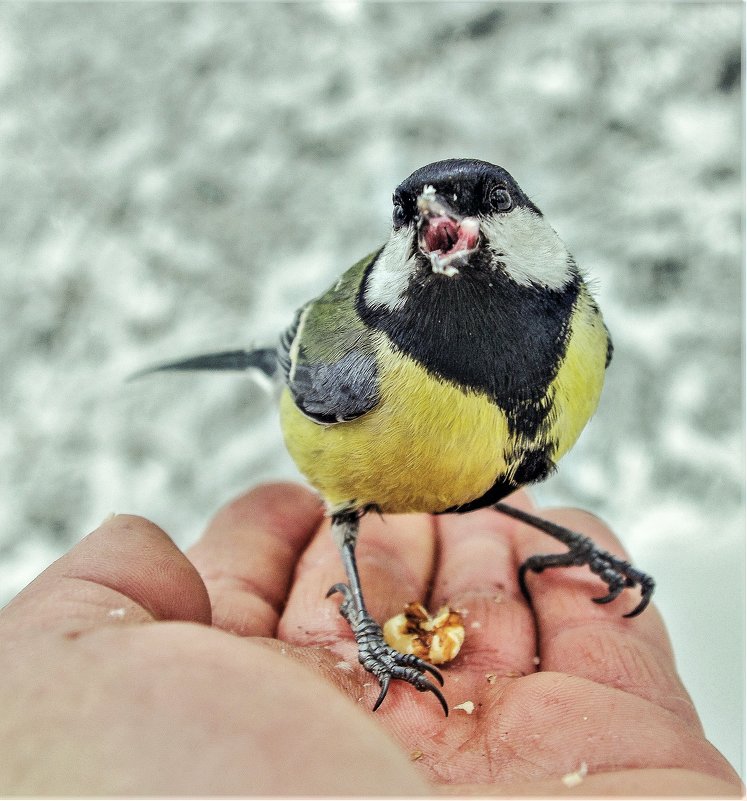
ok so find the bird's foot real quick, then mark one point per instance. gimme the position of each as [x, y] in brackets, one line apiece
[614, 571]
[384, 662]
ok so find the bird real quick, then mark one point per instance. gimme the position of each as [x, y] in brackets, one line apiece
[440, 373]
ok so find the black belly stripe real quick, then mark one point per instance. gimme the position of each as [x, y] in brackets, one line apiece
[484, 332]
[535, 465]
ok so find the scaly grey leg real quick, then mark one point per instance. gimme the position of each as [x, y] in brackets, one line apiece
[373, 653]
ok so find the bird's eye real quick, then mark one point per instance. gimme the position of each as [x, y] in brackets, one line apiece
[398, 214]
[501, 199]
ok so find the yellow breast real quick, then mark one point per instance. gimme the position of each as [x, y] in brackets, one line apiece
[577, 387]
[426, 447]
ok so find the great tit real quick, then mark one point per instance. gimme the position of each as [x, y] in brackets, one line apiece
[440, 373]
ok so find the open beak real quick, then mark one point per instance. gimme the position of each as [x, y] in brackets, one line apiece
[445, 237]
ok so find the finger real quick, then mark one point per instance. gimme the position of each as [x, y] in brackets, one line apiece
[477, 574]
[595, 641]
[395, 557]
[248, 554]
[127, 570]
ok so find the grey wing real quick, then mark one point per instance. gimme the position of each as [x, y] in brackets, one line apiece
[332, 379]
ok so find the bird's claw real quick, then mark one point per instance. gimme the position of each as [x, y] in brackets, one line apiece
[384, 662]
[347, 598]
[615, 572]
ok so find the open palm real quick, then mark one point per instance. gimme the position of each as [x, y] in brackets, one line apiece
[260, 700]
[566, 686]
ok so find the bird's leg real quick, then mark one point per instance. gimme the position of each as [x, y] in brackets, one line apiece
[373, 653]
[615, 572]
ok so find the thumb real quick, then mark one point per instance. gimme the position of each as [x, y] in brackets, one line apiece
[126, 571]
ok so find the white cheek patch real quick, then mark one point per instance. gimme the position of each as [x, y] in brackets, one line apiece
[532, 252]
[390, 274]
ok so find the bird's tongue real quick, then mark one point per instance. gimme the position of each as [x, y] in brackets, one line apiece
[445, 235]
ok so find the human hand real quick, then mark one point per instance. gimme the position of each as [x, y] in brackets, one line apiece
[113, 681]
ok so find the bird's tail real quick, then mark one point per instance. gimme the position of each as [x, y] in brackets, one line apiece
[263, 359]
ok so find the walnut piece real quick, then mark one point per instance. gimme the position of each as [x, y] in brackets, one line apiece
[436, 639]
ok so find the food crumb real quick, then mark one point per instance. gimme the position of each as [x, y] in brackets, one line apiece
[491, 677]
[575, 778]
[466, 706]
[535, 660]
[416, 755]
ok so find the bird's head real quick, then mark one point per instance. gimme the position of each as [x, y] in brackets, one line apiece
[460, 218]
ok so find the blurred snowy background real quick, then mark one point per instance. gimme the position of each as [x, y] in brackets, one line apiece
[177, 178]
